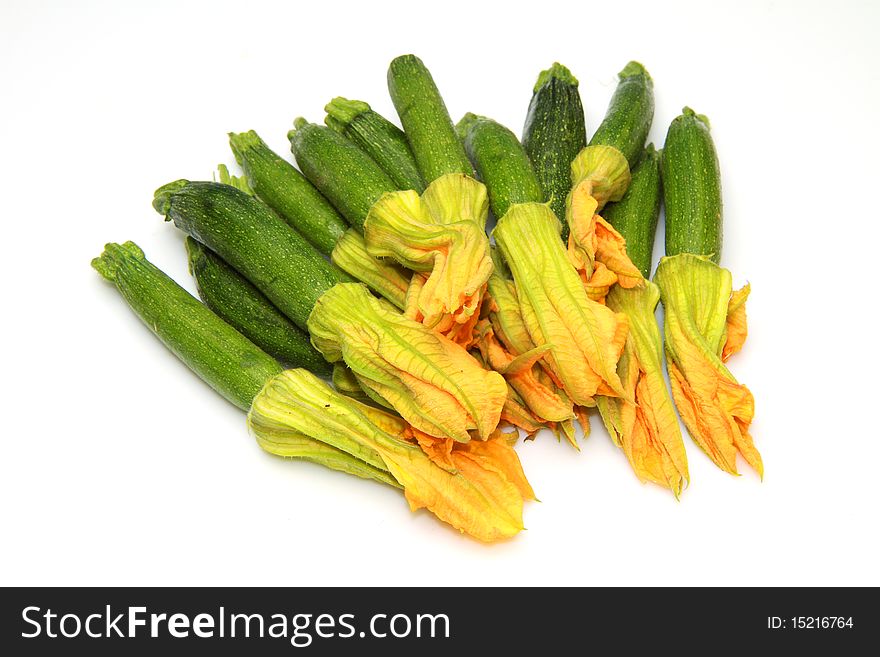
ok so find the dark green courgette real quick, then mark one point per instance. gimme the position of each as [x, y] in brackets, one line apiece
[345, 174]
[501, 163]
[377, 137]
[236, 301]
[284, 189]
[630, 112]
[635, 215]
[554, 134]
[224, 358]
[691, 188]
[253, 240]
[425, 120]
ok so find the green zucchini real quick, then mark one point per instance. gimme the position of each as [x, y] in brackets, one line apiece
[425, 120]
[245, 308]
[224, 358]
[253, 240]
[377, 137]
[628, 119]
[635, 215]
[345, 174]
[554, 133]
[691, 188]
[284, 189]
[501, 163]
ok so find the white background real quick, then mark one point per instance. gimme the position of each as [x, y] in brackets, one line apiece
[120, 467]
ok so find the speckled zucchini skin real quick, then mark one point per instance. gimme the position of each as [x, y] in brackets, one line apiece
[349, 178]
[225, 359]
[501, 163]
[245, 308]
[554, 133]
[425, 120]
[284, 189]
[635, 215]
[377, 137]
[253, 240]
[691, 188]
[630, 113]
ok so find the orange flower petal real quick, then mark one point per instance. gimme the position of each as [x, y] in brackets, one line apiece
[595, 248]
[586, 339]
[442, 235]
[737, 328]
[606, 170]
[716, 409]
[646, 430]
[432, 382]
[480, 492]
[458, 327]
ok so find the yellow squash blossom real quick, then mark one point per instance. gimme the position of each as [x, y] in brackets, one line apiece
[435, 384]
[496, 453]
[289, 443]
[442, 235]
[345, 382]
[509, 349]
[539, 394]
[706, 323]
[383, 276]
[458, 327]
[535, 398]
[643, 423]
[647, 430]
[515, 413]
[478, 488]
[585, 338]
[605, 169]
[595, 248]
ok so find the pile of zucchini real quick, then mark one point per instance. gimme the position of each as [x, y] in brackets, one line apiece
[356, 307]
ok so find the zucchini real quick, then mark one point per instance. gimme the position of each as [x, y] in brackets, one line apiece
[224, 358]
[425, 120]
[691, 188]
[345, 174]
[242, 306]
[501, 163]
[628, 119]
[377, 137]
[253, 240]
[284, 189]
[554, 134]
[635, 215]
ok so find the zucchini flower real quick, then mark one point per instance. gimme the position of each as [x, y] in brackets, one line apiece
[289, 443]
[383, 276]
[606, 171]
[442, 235]
[706, 324]
[585, 338]
[346, 383]
[516, 411]
[535, 398]
[595, 248]
[432, 382]
[458, 328]
[646, 430]
[478, 488]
